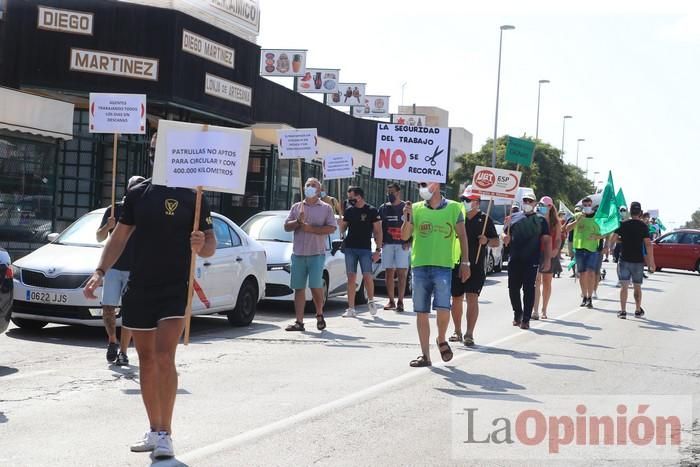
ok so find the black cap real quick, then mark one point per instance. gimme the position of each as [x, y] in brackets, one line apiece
[636, 205]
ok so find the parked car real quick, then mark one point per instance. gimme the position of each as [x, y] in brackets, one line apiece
[679, 249]
[49, 282]
[267, 228]
[5, 289]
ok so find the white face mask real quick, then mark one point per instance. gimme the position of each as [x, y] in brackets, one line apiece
[587, 209]
[528, 208]
[425, 193]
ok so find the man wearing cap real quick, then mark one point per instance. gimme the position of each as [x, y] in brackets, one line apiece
[586, 238]
[634, 236]
[476, 235]
[528, 235]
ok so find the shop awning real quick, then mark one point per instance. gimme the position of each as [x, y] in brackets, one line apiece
[27, 113]
[266, 133]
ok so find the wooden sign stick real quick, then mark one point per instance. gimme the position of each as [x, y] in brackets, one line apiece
[483, 230]
[301, 186]
[114, 171]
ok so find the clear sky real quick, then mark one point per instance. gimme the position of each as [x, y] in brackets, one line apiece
[627, 71]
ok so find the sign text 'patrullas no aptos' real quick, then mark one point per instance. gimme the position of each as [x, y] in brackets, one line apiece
[419, 154]
[497, 183]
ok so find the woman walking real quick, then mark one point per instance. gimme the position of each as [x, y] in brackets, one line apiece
[543, 285]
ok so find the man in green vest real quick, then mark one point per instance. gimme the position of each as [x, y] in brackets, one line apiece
[432, 223]
[586, 238]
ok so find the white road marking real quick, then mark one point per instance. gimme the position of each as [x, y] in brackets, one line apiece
[343, 402]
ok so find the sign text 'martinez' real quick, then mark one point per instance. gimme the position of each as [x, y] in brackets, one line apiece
[107, 63]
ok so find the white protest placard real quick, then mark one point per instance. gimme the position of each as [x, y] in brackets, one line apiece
[498, 183]
[298, 144]
[338, 166]
[189, 155]
[117, 113]
[419, 154]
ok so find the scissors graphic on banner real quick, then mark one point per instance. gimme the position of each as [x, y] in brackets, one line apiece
[432, 158]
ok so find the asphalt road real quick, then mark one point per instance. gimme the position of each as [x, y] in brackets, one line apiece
[346, 396]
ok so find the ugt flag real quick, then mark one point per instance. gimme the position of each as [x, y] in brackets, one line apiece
[607, 216]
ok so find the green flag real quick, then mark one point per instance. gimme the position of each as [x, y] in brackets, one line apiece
[520, 151]
[661, 225]
[621, 201]
[607, 216]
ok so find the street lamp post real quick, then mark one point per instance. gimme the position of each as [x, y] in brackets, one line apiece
[539, 90]
[563, 132]
[595, 177]
[578, 144]
[402, 90]
[587, 161]
[505, 27]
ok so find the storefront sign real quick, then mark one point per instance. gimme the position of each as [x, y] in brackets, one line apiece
[374, 106]
[277, 62]
[118, 113]
[57, 19]
[106, 63]
[338, 166]
[247, 11]
[298, 144]
[208, 49]
[408, 119]
[318, 80]
[419, 154]
[189, 155]
[348, 94]
[225, 89]
[498, 183]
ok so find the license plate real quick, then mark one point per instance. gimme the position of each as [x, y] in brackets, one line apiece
[46, 297]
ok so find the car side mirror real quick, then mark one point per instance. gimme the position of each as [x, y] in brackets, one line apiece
[336, 245]
[52, 237]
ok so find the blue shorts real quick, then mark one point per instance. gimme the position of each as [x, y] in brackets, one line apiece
[113, 287]
[587, 260]
[304, 267]
[353, 255]
[627, 271]
[395, 257]
[431, 281]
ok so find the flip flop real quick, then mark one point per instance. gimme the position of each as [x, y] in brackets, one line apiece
[297, 326]
[445, 351]
[456, 337]
[320, 323]
[420, 361]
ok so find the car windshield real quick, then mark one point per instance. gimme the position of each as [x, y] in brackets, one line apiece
[82, 232]
[268, 227]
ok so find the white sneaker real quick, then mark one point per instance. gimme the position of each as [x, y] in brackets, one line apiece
[148, 443]
[164, 446]
[372, 307]
[349, 313]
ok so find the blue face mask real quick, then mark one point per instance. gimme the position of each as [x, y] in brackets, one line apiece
[323, 194]
[309, 192]
[542, 210]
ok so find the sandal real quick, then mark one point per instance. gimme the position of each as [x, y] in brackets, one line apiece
[399, 307]
[320, 323]
[456, 337]
[420, 361]
[469, 341]
[544, 315]
[390, 306]
[297, 326]
[445, 351]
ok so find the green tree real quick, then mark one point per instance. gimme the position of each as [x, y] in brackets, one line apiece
[547, 175]
[694, 222]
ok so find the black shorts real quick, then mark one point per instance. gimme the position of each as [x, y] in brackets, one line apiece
[143, 307]
[473, 285]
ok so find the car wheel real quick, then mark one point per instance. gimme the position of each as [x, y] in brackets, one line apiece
[310, 307]
[246, 305]
[490, 263]
[361, 295]
[697, 266]
[659, 270]
[29, 324]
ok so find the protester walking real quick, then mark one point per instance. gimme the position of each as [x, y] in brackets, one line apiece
[312, 221]
[478, 239]
[527, 234]
[634, 236]
[361, 220]
[333, 202]
[429, 223]
[543, 284]
[115, 282]
[153, 306]
[396, 253]
[586, 238]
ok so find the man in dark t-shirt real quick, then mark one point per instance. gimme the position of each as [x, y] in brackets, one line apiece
[636, 242]
[160, 220]
[396, 253]
[115, 283]
[361, 221]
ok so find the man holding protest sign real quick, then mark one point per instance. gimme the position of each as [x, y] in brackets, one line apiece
[153, 307]
[432, 223]
[312, 221]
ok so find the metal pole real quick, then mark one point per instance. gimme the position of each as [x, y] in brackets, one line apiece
[498, 88]
[578, 146]
[403, 87]
[537, 127]
[563, 130]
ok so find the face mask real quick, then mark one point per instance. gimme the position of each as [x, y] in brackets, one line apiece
[309, 192]
[587, 209]
[542, 210]
[323, 194]
[391, 198]
[528, 208]
[425, 193]
[352, 202]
